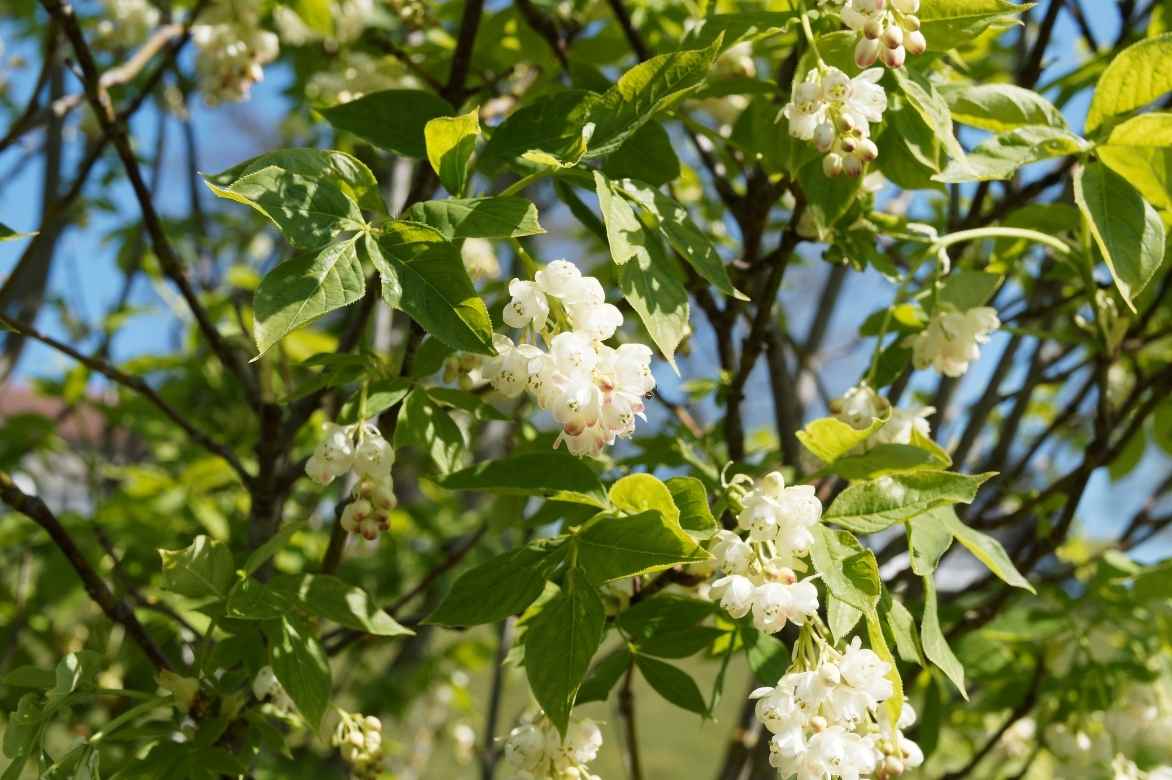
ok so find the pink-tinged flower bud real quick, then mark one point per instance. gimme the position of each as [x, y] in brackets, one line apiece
[910, 23]
[893, 37]
[832, 165]
[866, 52]
[906, 6]
[867, 150]
[824, 137]
[873, 28]
[879, 5]
[852, 166]
[848, 144]
[893, 58]
[915, 42]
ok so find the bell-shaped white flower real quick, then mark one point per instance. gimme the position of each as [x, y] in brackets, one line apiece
[573, 354]
[735, 593]
[597, 320]
[776, 603]
[557, 278]
[733, 555]
[806, 111]
[527, 306]
[953, 339]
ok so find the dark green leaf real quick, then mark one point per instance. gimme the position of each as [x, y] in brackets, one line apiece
[334, 599]
[425, 425]
[205, 568]
[673, 684]
[611, 547]
[393, 119]
[691, 499]
[497, 217]
[555, 475]
[492, 591]
[301, 667]
[603, 676]
[935, 645]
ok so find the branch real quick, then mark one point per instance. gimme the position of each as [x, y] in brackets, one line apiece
[137, 385]
[115, 609]
[627, 713]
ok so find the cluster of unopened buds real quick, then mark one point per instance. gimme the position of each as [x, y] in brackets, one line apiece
[759, 573]
[126, 23]
[232, 50]
[953, 339]
[359, 738]
[266, 686]
[889, 30]
[860, 406]
[361, 449]
[594, 391]
[825, 720]
[535, 750]
[836, 112]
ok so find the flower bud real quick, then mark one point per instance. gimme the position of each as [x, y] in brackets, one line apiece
[893, 37]
[893, 58]
[873, 28]
[824, 137]
[832, 165]
[867, 150]
[819, 723]
[906, 6]
[893, 766]
[910, 23]
[866, 52]
[915, 42]
[355, 514]
[852, 166]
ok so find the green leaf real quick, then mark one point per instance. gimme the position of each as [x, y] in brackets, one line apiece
[305, 287]
[651, 87]
[74, 672]
[251, 599]
[926, 100]
[947, 24]
[467, 401]
[987, 550]
[29, 677]
[768, 656]
[603, 676]
[757, 133]
[380, 396]
[428, 427]
[847, 567]
[1000, 156]
[871, 506]
[393, 119]
[683, 234]
[663, 614]
[647, 156]
[492, 591]
[436, 290]
[8, 234]
[681, 644]
[552, 124]
[559, 642]
[828, 199]
[929, 537]
[841, 617]
[691, 498]
[334, 599]
[829, 438]
[1140, 151]
[497, 217]
[965, 289]
[611, 547]
[647, 282]
[935, 645]
[337, 169]
[260, 556]
[884, 459]
[1127, 230]
[878, 644]
[673, 684]
[301, 667]
[903, 629]
[450, 143]
[556, 475]
[1000, 107]
[637, 493]
[205, 568]
[1137, 76]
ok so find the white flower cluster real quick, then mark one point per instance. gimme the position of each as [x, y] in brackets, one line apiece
[232, 50]
[953, 339]
[594, 391]
[535, 750]
[825, 719]
[836, 113]
[351, 74]
[126, 23]
[888, 30]
[359, 738]
[349, 19]
[758, 577]
[361, 449]
[860, 405]
[266, 686]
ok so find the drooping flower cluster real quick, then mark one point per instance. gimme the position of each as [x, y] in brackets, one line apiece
[836, 113]
[888, 30]
[126, 23]
[861, 405]
[349, 19]
[953, 339]
[361, 449]
[266, 686]
[232, 50]
[594, 391]
[535, 750]
[759, 573]
[825, 719]
[359, 738]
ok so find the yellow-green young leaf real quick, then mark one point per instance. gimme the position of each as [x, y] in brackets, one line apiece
[1137, 76]
[306, 286]
[1140, 150]
[559, 642]
[1127, 230]
[450, 143]
[260, 556]
[878, 644]
[499, 217]
[610, 547]
[884, 459]
[871, 506]
[691, 498]
[673, 684]
[1000, 107]
[966, 289]
[829, 438]
[8, 234]
[300, 665]
[999, 156]
[205, 568]
[338, 601]
[515, 579]
[555, 475]
[841, 617]
[645, 274]
[902, 625]
[987, 550]
[342, 170]
[435, 289]
[947, 24]
[393, 119]
[932, 108]
[847, 567]
[929, 537]
[935, 644]
[637, 493]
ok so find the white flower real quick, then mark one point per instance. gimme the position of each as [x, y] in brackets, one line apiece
[373, 457]
[903, 422]
[525, 747]
[736, 594]
[865, 100]
[557, 278]
[527, 307]
[836, 752]
[733, 555]
[126, 23]
[783, 515]
[805, 111]
[952, 339]
[232, 49]
[508, 370]
[866, 672]
[859, 406]
[479, 259]
[598, 320]
[776, 603]
[584, 738]
[574, 355]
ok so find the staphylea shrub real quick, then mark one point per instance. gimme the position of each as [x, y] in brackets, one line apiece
[586, 389]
